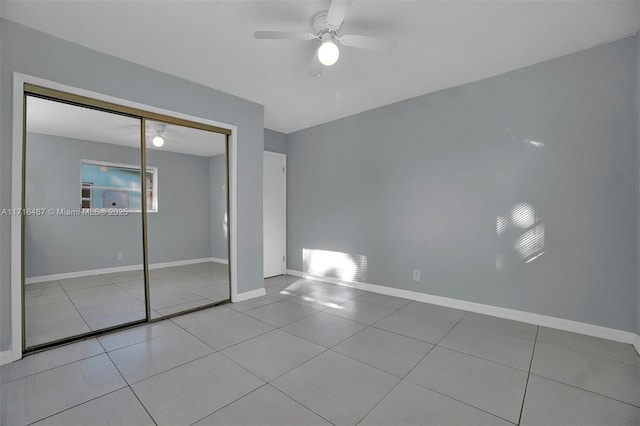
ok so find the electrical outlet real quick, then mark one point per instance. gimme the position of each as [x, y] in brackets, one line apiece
[416, 274]
[120, 255]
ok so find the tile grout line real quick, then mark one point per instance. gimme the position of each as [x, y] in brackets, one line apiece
[364, 323]
[92, 399]
[269, 382]
[128, 384]
[52, 368]
[169, 369]
[101, 285]
[466, 353]
[462, 402]
[266, 304]
[230, 346]
[449, 396]
[585, 390]
[398, 334]
[278, 328]
[77, 405]
[170, 284]
[366, 363]
[440, 393]
[134, 343]
[401, 335]
[526, 385]
[488, 360]
[177, 269]
[409, 372]
[592, 354]
[315, 343]
[222, 354]
[298, 402]
[76, 308]
[229, 403]
[220, 350]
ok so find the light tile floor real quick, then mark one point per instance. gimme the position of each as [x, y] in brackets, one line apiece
[311, 353]
[69, 307]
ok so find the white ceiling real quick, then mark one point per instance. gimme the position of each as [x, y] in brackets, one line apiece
[59, 119]
[440, 44]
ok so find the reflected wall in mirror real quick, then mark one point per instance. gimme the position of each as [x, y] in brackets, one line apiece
[83, 251]
[187, 235]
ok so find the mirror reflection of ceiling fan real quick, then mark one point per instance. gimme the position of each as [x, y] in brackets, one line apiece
[158, 133]
[326, 28]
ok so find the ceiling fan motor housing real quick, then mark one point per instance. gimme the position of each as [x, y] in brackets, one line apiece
[320, 25]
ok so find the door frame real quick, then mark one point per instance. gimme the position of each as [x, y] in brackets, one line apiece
[17, 190]
[286, 258]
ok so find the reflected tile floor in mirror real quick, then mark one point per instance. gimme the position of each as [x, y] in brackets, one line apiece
[64, 308]
[312, 353]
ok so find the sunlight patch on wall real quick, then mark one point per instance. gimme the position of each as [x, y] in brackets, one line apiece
[343, 266]
[521, 234]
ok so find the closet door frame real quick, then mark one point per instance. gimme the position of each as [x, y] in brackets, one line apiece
[23, 86]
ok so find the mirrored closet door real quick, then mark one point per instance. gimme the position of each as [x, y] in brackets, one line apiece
[125, 217]
[187, 222]
[83, 246]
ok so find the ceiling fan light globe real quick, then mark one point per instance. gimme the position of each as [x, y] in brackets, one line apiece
[328, 53]
[158, 141]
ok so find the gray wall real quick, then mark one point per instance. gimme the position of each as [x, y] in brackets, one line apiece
[35, 53]
[218, 181]
[59, 244]
[420, 185]
[180, 228]
[637, 116]
[275, 141]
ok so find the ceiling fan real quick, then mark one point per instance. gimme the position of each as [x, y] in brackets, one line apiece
[326, 28]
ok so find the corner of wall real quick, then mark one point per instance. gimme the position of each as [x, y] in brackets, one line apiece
[637, 116]
[275, 141]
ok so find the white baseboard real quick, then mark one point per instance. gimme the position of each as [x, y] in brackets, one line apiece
[7, 356]
[218, 260]
[128, 268]
[496, 311]
[178, 263]
[241, 297]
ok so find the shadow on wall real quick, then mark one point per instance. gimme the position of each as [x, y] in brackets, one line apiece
[334, 264]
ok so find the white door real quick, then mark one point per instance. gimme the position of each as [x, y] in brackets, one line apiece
[274, 213]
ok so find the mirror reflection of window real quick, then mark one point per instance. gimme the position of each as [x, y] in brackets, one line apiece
[109, 186]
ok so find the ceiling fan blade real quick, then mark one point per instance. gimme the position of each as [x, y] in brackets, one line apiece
[337, 12]
[276, 35]
[366, 42]
[316, 67]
